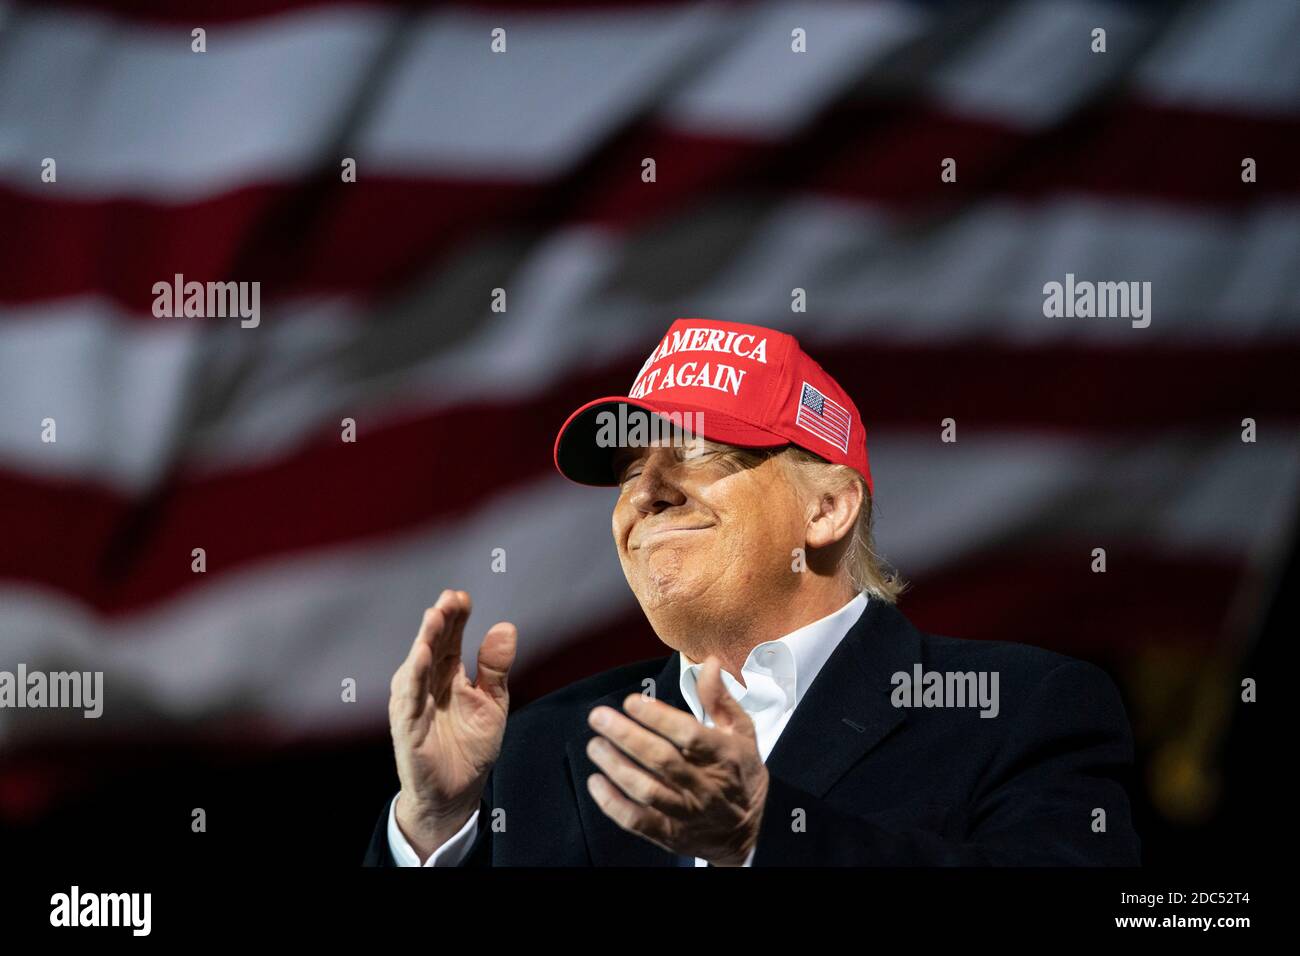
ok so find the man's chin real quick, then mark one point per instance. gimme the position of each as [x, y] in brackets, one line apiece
[666, 592]
[661, 585]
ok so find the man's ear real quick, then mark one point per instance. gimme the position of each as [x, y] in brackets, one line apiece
[836, 514]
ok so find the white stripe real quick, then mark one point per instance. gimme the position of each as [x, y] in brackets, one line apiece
[567, 82]
[268, 96]
[981, 273]
[1180, 494]
[1236, 55]
[279, 638]
[131, 110]
[113, 393]
[1034, 65]
[757, 86]
[117, 388]
[265, 102]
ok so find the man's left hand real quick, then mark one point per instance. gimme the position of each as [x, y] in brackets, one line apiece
[691, 789]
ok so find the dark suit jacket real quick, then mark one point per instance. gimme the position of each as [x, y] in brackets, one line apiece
[872, 783]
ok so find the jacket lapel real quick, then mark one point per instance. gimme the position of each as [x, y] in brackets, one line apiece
[844, 714]
[847, 711]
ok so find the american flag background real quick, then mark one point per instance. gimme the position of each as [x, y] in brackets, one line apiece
[458, 244]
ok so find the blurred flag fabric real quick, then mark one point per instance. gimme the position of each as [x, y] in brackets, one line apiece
[523, 171]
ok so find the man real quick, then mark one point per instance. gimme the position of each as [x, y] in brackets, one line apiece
[801, 719]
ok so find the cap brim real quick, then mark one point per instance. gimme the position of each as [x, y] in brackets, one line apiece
[580, 459]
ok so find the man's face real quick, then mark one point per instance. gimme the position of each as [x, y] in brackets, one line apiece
[697, 532]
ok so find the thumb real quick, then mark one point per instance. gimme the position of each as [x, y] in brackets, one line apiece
[495, 655]
[717, 701]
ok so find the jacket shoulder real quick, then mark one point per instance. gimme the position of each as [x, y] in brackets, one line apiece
[955, 653]
[1023, 670]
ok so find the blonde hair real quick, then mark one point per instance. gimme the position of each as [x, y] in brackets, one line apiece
[868, 570]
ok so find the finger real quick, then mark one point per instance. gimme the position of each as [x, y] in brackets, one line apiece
[446, 643]
[682, 729]
[725, 710]
[410, 686]
[647, 748]
[633, 780]
[628, 814]
[430, 625]
[495, 655]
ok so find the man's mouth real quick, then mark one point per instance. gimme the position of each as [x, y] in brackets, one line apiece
[657, 533]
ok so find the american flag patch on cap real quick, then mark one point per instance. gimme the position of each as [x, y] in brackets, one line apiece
[826, 419]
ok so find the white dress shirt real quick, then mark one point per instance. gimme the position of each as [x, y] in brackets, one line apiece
[777, 675]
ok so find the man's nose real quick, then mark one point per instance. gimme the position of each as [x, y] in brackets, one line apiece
[654, 490]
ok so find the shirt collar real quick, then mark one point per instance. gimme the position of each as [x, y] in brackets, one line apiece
[793, 660]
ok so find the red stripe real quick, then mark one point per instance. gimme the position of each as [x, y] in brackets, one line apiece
[890, 154]
[360, 238]
[364, 238]
[1128, 149]
[120, 554]
[1049, 596]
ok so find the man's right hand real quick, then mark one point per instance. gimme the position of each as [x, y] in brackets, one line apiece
[446, 731]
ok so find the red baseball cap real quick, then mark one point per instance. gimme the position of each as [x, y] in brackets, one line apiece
[749, 386]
